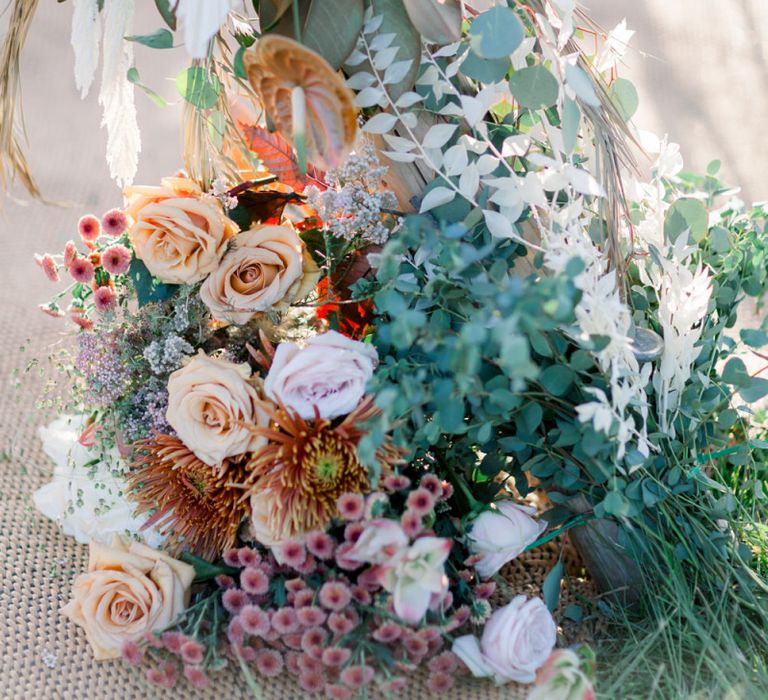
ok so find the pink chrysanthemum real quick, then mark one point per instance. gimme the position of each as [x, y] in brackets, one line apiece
[254, 620]
[247, 557]
[246, 653]
[340, 624]
[432, 484]
[81, 270]
[116, 259]
[360, 594]
[447, 662]
[320, 544]
[411, 523]
[312, 681]
[313, 639]
[105, 299]
[89, 228]
[292, 663]
[231, 558]
[173, 641]
[337, 692]
[356, 676]
[234, 600]
[420, 501]
[284, 620]
[192, 652]
[292, 641]
[351, 506]
[485, 589]
[79, 319]
[394, 685]
[132, 653]
[311, 616]
[48, 266]
[396, 482]
[439, 682]
[387, 633]
[196, 677]
[336, 656]
[235, 631]
[292, 554]
[335, 595]
[224, 581]
[415, 645]
[114, 222]
[254, 581]
[303, 598]
[70, 253]
[156, 677]
[308, 567]
[294, 585]
[51, 309]
[370, 579]
[352, 532]
[308, 664]
[269, 662]
[341, 557]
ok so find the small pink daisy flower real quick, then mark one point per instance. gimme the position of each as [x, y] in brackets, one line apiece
[360, 595]
[224, 581]
[485, 589]
[311, 681]
[411, 523]
[335, 595]
[269, 662]
[116, 259]
[351, 506]
[247, 557]
[321, 545]
[83, 321]
[308, 664]
[432, 484]
[370, 579]
[292, 663]
[284, 620]
[246, 653]
[70, 253]
[114, 222]
[353, 531]
[132, 653]
[308, 567]
[415, 645]
[89, 228]
[173, 641]
[340, 624]
[81, 270]
[356, 676]
[303, 598]
[387, 633]
[292, 641]
[292, 554]
[336, 656]
[396, 482]
[313, 638]
[462, 614]
[420, 501]
[170, 673]
[51, 309]
[394, 685]
[439, 682]
[156, 677]
[234, 600]
[196, 677]
[48, 266]
[446, 662]
[153, 641]
[231, 558]
[341, 559]
[254, 581]
[294, 585]
[254, 620]
[105, 299]
[311, 615]
[192, 652]
[337, 692]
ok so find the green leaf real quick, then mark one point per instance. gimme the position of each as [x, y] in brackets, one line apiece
[713, 168]
[686, 214]
[483, 69]
[615, 504]
[534, 87]
[624, 96]
[530, 418]
[574, 612]
[161, 39]
[238, 66]
[570, 124]
[550, 589]
[720, 240]
[199, 87]
[754, 337]
[165, 9]
[755, 390]
[133, 76]
[496, 33]
[204, 570]
[735, 373]
[332, 28]
[438, 21]
[148, 289]
[557, 379]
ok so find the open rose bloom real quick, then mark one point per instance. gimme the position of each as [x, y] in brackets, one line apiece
[128, 591]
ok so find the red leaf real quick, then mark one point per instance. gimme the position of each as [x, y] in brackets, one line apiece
[278, 157]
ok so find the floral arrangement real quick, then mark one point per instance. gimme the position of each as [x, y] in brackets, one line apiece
[408, 314]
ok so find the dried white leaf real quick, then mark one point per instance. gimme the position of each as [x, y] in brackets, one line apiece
[369, 97]
[360, 80]
[380, 123]
[583, 182]
[400, 157]
[399, 143]
[355, 58]
[451, 109]
[381, 41]
[429, 77]
[455, 160]
[435, 198]
[452, 68]
[86, 34]
[474, 109]
[409, 119]
[438, 135]
[486, 164]
[397, 72]
[408, 99]
[449, 50]
[373, 24]
[384, 58]
[469, 181]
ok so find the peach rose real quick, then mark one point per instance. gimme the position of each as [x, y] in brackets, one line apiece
[128, 590]
[179, 232]
[265, 267]
[213, 407]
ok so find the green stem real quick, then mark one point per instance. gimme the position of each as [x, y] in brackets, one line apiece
[296, 21]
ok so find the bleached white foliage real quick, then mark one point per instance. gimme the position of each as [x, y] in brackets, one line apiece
[86, 36]
[201, 20]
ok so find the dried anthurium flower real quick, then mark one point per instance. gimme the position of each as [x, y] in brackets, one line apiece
[306, 100]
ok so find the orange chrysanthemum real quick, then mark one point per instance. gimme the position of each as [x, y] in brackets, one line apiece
[307, 465]
[198, 505]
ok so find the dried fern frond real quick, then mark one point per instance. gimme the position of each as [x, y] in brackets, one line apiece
[13, 163]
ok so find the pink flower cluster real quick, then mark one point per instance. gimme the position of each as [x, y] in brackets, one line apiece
[181, 649]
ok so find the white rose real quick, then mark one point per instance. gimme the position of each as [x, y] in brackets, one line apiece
[501, 534]
[330, 372]
[213, 408]
[516, 641]
[88, 503]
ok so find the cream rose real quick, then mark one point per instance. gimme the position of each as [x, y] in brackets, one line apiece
[213, 407]
[266, 267]
[178, 232]
[127, 591]
[516, 641]
[330, 372]
[501, 534]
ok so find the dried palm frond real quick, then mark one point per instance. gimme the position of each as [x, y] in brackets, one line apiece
[13, 163]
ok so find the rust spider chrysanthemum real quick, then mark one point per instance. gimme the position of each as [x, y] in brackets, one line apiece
[307, 464]
[199, 505]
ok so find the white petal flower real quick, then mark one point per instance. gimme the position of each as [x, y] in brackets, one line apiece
[201, 20]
